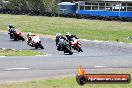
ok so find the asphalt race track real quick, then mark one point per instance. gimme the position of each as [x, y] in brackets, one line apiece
[97, 56]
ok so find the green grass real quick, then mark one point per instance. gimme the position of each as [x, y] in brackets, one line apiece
[65, 82]
[6, 52]
[88, 29]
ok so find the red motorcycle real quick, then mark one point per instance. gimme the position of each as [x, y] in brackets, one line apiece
[18, 36]
[76, 45]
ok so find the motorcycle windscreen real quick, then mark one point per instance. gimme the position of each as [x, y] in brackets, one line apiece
[35, 39]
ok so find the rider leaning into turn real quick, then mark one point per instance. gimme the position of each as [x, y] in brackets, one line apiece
[60, 41]
[69, 36]
[30, 37]
[58, 37]
[11, 28]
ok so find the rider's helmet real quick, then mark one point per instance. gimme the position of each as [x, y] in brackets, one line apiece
[58, 34]
[68, 34]
[29, 34]
[11, 26]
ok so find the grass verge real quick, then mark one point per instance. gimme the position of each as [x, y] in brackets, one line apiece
[8, 52]
[65, 82]
[88, 29]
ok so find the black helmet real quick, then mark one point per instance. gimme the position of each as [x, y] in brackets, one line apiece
[10, 25]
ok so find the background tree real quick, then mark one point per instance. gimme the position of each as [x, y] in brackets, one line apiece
[33, 5]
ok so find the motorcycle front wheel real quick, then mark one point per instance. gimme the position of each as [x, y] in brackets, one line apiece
[79, 48]
[41, 46]
[67, 50]
[21, 38]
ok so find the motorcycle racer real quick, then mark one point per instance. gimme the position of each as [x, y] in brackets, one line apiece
[34, 41]
[74, 42]
[11, 28]
[60, 40]
[63, 44]
[29, 38]
[69, 36]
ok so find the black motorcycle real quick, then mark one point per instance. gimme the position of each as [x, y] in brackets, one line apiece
[63, 45]
[11, 34]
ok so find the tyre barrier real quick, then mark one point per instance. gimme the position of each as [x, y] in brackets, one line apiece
[55, 14]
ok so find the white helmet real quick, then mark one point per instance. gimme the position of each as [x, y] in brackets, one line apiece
[68, 34]
[58, 34]
[29, 33]
[10, 25]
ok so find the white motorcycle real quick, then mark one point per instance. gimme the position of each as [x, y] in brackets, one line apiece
[35, 42]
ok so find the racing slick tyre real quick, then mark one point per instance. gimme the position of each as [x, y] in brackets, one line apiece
[15, 39]
[36, 47]
[67, 50]
[22, 38]
[81, 80]
[79, 48]
[40, 45]
[11, 35]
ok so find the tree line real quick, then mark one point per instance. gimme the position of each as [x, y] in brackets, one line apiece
[26, 6]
